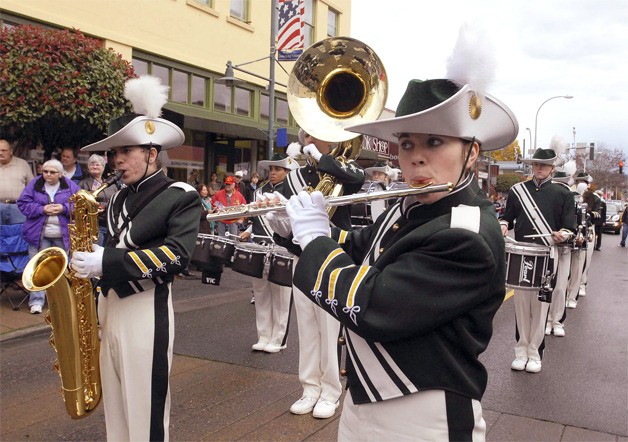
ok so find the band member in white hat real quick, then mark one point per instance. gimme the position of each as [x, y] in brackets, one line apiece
[272, 301]
[153, 224]
[417, 290]
[545, 209]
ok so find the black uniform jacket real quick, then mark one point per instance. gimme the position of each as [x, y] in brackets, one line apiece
[555, 202]
[417, 292]
[157, 243]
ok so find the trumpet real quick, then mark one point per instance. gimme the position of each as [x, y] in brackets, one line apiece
[248, 210]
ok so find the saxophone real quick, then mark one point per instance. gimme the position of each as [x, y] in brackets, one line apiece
[71, 307]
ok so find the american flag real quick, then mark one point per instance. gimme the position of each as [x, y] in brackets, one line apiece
[289, 36]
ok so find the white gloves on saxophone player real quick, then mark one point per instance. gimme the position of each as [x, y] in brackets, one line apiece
[312, 151]
[88, 264]
[308, 217]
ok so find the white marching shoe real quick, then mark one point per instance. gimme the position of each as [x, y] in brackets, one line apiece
[533, 366]
[519, 364]
[303, 405]
[325, 409]
[260, 346]
[559, 330]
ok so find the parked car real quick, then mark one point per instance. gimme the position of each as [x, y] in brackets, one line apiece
[613, 222]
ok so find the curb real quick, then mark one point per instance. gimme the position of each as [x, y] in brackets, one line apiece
[25, 332]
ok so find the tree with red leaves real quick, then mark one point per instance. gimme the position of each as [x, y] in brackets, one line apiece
[58, 87]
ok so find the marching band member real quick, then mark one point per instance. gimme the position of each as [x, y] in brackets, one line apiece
[152, 224]
[542, 208]
[417, 290]
[556, 313]
[319, 370]
[272, 301]
[583, 181]
[381, 174]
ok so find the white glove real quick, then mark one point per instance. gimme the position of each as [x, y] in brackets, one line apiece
[280, 223]
[308, 217]
[311, 150]
[274, 196]
[88, 264]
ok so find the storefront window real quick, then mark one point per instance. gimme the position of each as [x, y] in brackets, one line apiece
[161, 72]
[243, 101]
[263, 107]
[282, 111]
[198, 90]
[140, 66]
[222, 97]
[179, 86]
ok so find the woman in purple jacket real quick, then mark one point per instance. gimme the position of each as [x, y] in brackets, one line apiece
[44, 203]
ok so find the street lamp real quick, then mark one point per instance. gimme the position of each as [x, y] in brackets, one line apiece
[536, 119]
[230, 80]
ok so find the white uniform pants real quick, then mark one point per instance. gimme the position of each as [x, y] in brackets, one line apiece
[421, 416]
[577, 263]
[557, 307]
[587, 263]
[318, 349]
[272, 309]
[135, 361]
[531, 315]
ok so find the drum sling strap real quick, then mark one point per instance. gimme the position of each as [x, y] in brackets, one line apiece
[139, 204]
[534, 214]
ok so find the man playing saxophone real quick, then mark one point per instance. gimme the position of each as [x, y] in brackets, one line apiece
[152, 225]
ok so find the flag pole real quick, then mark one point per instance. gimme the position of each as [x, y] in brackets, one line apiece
[274, 16]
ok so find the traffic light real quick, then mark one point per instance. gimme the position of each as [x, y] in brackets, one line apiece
[621, 167]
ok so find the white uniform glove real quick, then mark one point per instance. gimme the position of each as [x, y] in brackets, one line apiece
[280, 223]
[88, 264]
[308, 217]
[311, 150]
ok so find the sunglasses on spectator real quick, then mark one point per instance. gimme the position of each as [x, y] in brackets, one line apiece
[49, 171]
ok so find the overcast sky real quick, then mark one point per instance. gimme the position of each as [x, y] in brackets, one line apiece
[544, 48]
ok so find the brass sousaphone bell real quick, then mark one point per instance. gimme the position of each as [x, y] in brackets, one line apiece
[336, 83]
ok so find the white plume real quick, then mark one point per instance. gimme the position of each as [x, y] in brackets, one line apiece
[147, 95]
[570, 167]
[393, 173]
[293, 150]
[558, 145]
[244, 172]
[473, 59]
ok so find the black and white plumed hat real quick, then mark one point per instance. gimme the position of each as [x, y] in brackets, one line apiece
[144, 127]
[457, 106]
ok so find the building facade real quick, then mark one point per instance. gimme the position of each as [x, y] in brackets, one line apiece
[187, 43]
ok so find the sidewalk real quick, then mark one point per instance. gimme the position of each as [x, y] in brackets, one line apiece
[18, 323]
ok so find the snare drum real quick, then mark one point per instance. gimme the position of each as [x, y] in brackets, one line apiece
[201, 256]
[249, 259]
[280, 271]
[526, 265]
[221, 248]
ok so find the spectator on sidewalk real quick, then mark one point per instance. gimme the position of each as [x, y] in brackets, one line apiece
[44, 203]
[71, 168]
[16, 174]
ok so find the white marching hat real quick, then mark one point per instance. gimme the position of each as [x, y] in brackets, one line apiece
[144, 127]
[279, 160]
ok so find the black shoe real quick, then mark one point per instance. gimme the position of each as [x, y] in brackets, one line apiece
[186, 272]
[598, 249]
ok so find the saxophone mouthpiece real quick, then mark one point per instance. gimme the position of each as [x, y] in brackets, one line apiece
[114, 177]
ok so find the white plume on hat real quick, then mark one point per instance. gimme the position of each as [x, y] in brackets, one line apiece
[472, 60]
[147, 95]
[241, 173]
[393, 173]
[293, 150]
[570, 167]
[558, 146]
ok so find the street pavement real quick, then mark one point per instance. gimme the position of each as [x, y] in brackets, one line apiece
[221, 390]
